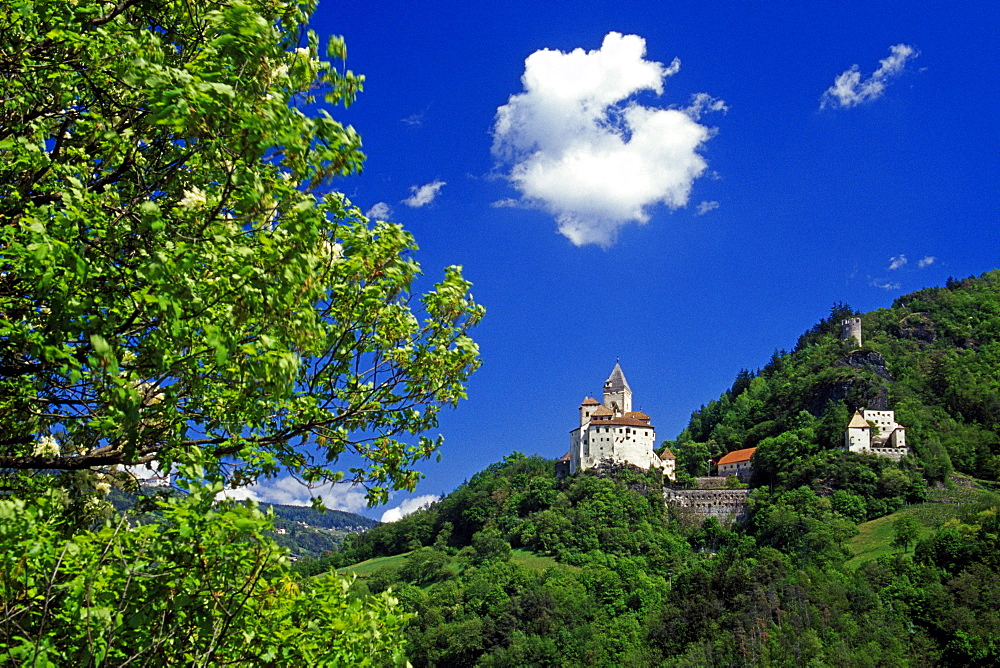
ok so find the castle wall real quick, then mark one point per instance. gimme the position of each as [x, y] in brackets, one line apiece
[895, 454]
[724, 504]
[633, 445]
[857, 439]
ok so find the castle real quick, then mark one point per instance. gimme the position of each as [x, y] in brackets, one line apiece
[613, 431]
[889, 439]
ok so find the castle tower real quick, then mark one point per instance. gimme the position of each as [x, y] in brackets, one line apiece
[859, 434]
[586, 408]
[617, 393]
[851, 329]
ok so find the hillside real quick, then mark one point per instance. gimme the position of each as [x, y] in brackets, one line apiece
[844, 558]
[518, 567]
[933, 358]
[309, 533]
[305, 531]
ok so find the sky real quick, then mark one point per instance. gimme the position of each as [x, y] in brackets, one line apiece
[683, 187]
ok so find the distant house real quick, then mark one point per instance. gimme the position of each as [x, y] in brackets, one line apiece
[737, 463]
[669, 464]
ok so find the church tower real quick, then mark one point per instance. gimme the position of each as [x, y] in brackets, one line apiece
[617, 393]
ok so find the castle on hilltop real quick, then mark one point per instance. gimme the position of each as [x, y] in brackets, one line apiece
[851, 329]
[872, 431]
[612, 431]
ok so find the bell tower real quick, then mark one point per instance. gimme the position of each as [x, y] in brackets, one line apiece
[617, 393]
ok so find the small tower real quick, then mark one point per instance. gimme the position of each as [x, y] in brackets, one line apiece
[587, 407]
[851, 329]
[859, 434]
[617, 393]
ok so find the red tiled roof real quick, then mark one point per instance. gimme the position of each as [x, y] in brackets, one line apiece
[621, 422]
[638, 415]
[737, 456]
[667, 454]
[590, 401]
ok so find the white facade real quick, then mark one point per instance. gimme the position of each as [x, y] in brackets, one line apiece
[612, 430]
[889, 439]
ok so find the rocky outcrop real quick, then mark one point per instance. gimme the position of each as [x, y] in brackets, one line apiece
[918, 326]
[867, 359]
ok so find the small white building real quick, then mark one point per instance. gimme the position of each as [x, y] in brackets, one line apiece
[613, 431]
[888, 439]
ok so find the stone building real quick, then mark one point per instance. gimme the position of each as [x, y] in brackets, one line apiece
[613, 431]
[738, 463]
[888, 439]
[851, 329]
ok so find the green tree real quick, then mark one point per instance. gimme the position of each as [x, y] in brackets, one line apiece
[203, 586]
[905, 532]
[177, 273]
[180, 287]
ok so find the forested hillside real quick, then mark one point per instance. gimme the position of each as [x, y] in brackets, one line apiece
[933, 358]
[518, 567]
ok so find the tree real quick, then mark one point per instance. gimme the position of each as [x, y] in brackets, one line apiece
[204, 586]
[906, 531]
[175, 272]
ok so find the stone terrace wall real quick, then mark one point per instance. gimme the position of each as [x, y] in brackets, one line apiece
[723, 504]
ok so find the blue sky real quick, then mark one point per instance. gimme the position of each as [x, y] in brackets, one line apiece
[686, 216]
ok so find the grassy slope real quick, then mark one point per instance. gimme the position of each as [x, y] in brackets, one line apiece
[874, 538]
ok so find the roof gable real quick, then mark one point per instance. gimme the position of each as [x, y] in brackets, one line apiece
[858, 422]
[616, 381]
[737, 456]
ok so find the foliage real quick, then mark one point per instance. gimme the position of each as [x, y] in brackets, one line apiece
[772, 592]
[181, 288]
[176, 272]
[203, 586]
[905, 530]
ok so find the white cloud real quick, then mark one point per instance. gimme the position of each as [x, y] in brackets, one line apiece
[885, 285]
[705, 207]
[926, 261]
[581, 149]
[849, 90]
[702, 102]
[414, 119]
[290, 492]
[423, 195]
[507, 203]
[409, 506]
[897, 262]
[379, 211]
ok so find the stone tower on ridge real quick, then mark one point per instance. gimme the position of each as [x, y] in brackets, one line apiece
[617, 393]
[851, 329]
